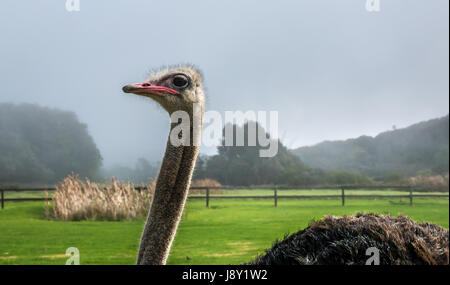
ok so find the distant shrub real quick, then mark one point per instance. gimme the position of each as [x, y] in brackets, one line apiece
[205, 183]
[348, 178]
[430, 180]
[395, 178]
[76, 200]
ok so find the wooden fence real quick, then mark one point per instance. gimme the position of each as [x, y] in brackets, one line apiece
[409, 193]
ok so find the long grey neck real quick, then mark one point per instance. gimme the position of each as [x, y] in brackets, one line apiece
[170, 195]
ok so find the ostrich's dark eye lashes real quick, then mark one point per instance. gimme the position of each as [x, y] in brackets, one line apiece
[180, 81]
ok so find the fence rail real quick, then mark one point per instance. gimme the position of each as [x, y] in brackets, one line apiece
[276, 196]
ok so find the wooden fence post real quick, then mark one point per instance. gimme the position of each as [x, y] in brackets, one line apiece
[207, 197]
[3, 199]
[343, 196]
[410, 196]
[275, 196]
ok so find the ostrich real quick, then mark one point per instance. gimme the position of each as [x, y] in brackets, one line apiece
[333, 240]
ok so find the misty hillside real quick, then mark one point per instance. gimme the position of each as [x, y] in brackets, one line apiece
[422, 147]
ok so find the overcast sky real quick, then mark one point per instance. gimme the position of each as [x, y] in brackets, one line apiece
[330, 68]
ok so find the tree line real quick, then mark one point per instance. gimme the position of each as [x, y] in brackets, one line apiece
[44, 145]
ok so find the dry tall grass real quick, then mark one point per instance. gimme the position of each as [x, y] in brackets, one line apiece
[76, 200]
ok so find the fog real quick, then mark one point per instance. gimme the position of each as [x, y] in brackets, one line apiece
[330, 68]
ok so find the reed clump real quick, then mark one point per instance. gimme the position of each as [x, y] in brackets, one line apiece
[76, 200]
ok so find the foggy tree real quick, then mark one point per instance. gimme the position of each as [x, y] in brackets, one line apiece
[39, 144]
[144, 171]
[242, 165]
[141, 173]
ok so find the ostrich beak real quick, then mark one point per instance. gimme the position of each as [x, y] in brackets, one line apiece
[147, 88]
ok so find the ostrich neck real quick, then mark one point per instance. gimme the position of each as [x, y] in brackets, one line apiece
[170, 195]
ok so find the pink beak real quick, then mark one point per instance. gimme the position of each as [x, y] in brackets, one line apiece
[148, 88]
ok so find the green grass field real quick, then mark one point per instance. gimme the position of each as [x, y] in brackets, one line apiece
[229, 232]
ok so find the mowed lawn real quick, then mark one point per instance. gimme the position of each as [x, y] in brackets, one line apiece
[229, 232]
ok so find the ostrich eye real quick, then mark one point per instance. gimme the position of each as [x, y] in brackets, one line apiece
[180, 81]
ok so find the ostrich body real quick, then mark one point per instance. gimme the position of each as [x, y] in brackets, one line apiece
[334, 240]
[345, 241]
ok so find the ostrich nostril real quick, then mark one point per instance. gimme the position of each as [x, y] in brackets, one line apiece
[145, 84]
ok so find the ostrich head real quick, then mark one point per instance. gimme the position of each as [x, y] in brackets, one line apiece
[175, 89]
